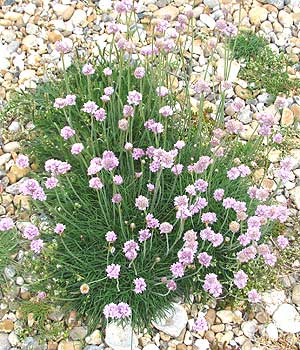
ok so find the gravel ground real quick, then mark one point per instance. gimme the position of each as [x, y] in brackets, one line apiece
[28, 31]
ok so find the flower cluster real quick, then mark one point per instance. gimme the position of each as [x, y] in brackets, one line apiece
[117, 311]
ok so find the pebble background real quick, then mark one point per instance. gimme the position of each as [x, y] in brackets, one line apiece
[28, 31]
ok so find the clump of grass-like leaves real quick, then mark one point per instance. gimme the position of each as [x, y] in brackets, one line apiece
[146, 199]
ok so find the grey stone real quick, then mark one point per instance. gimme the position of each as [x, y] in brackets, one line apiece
[272, 331]
[15, 188]
[249, 328]
[211, 3]
[277, 3]
[78, 333]
[94, 347]
[245, 116]
[9, 2]
[13, 47]
[11, 147]
[120, 338]
[14, 126]
[4, 343]
[56, 315]
[296, 294]
[9, 271]
[287, 318]
[31, 343]
[13, 339]
[174, 322]
[4, 158]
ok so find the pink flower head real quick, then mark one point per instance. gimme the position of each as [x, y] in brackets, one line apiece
[209, 218]
[70, 100]
[88, 69]
[128, 146]
[66, 132]
[22, 161]
[278, 138]
[204, 259]
[112, 28]
[171, 285]
[254, 296]
[201, 185]
[105, 98]
[113, 271]
[244, 170]
[123, 6]
[162, 91]
[238, 104]
[202, 86]
[41, 295]
[139, 285]
[122, 310]
[107, 71]
[233, 173]
[270, 259]
[200, 324]
[177, 169]
[142, 203]
[177, 270]
[161, 26]
[240, 279]
[116, 198]
[89, 107]
[202, 164]
[95, 166]
[280, 102]
[282, 241]
[151, 221]
[111, 311]
[109, 160]
[137, 153]
[118, 180]
[57, 167]
[77, 148]
[59, 103]
[95, 183]
[128, 111]
[150, 187]
[179, 144]
[134, 98]
[166, 111]
[123, 124]
[165, 227]
[63, 46]
[111, 236]
[30, 232]
[234, 126]
[6, 224]
[59, 228]
[108, 91]
[212, 285]
[246, 254]
[32, 188]
[130, 249]
[37, 245]
[100, 114]
[144, 235]
[191, 190]
[139, 72]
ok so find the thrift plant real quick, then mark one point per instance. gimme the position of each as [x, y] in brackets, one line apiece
[142, 198]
